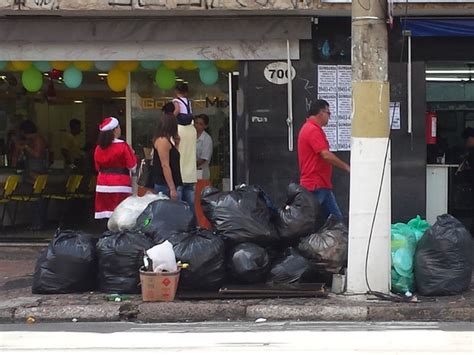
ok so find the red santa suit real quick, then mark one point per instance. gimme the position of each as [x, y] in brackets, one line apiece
[113, 183]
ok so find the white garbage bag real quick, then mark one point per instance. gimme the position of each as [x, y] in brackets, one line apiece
[126, 213]
[163, 257]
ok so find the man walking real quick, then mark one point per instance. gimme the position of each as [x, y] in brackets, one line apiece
[315, 159]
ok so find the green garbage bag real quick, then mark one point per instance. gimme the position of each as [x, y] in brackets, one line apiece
[403, 245]
[419, 226]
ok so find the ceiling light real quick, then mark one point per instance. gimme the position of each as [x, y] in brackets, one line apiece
[178, 79]
[78, 101]
[429, 78]
[454, 71]
[102, 74]
[3, 77]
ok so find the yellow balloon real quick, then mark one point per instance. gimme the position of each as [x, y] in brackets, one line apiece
[10, 67]
[128, 65]
[20, 65]
[60, 64]
[226, 64]
[189, 65]
[117, 80]
[172, 64]
[83, 65]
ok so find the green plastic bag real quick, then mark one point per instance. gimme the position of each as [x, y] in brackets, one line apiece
[419, 226]
[403, 245]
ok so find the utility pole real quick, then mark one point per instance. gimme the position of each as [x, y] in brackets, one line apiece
[370, 133]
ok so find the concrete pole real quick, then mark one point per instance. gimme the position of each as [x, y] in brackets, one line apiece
[370, 131]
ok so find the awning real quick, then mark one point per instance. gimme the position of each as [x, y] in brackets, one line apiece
[459, 27]
[153, 39]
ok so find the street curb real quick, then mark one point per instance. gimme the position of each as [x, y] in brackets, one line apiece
[94, 312]
[317, 312]
[187, 311]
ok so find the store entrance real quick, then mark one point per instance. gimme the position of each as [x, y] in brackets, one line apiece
[450, 98]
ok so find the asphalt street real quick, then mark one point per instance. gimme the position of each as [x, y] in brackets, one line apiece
[240, 338]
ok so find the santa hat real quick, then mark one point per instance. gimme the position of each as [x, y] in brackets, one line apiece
[108, 124]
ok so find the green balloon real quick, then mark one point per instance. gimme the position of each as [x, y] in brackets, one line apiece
[209, 76]
[204, 64]
[165, 78]
[150, 64]
[42, 66]
[32, 79]
[72, 77]
[3, 64]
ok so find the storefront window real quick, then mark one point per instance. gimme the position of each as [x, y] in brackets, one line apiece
[147, 100]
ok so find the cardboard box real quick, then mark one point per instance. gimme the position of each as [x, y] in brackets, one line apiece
[159, 286]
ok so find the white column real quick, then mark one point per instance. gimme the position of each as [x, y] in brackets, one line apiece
[367, 157]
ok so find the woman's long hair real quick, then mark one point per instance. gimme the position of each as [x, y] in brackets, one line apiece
[105, 139]
[167, 127]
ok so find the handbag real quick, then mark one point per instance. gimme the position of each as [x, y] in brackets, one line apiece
[145, 173]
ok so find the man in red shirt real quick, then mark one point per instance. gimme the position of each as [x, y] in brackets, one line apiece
[315, 159]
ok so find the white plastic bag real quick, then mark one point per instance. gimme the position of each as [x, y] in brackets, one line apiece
[126, 213]
[163, 257]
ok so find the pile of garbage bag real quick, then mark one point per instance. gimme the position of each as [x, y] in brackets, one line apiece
[204, 252]
[162, 218]
[251, 242]
[443, 258]
[403, 246]
[292, 267]
[68, 265]
[126, 213]
[120, 258]
[328, 246]
[248, 263]
[240, 216]
[300, 216]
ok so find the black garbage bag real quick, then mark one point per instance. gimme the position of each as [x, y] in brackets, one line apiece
[240, 216]
[328, 246]
[162, 218]
[68, 265]
[204, 252]
[292, 267]
[248, 263]
[300, 216]
[443, 258]
[120, 258]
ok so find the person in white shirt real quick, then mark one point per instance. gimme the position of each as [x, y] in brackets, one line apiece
[203, 147]
[187, 146]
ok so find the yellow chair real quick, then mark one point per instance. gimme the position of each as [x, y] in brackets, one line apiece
[72, 184]
[37, 193]
[8, 189]
[88, 191]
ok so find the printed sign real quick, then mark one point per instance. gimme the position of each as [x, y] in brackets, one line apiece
[277, 73]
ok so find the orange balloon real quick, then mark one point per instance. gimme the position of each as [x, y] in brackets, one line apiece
[20, 65]
[172, 64]
[83, 65]
[128, 65]
[60, 64]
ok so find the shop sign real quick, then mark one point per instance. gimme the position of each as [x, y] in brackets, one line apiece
[277, 73]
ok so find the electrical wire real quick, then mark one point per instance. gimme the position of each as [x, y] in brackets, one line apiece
[382, 295]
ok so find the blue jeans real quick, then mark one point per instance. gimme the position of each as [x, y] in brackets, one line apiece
[328, 202]
[186, 193]
[165, 190]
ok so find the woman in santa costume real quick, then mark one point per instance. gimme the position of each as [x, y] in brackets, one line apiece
[114, 160]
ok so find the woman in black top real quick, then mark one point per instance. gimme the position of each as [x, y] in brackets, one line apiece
[166, 170]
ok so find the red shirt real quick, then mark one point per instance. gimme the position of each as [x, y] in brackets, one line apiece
[315, 172]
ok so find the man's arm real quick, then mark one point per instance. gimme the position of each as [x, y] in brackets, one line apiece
[332, 159]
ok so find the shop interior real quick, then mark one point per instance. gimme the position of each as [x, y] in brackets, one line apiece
[52, 93]
[450, 99]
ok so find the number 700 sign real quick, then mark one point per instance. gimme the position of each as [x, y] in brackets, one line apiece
[277, 73]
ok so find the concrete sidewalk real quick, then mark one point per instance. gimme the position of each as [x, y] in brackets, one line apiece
[18, 304]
